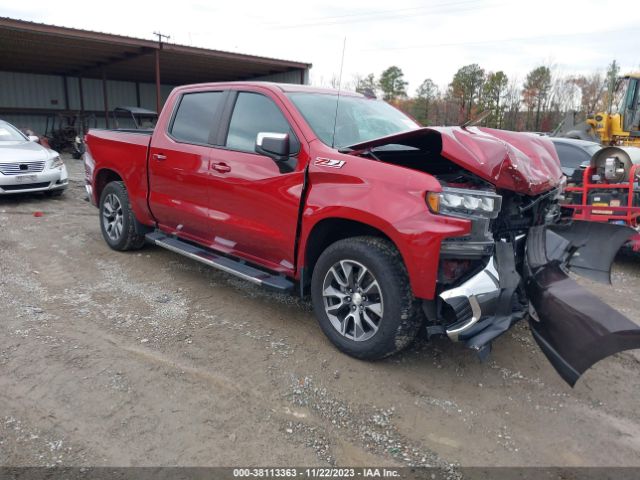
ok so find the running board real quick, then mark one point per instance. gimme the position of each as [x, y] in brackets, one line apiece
[226, 264]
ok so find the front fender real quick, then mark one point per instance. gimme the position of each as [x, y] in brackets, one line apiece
[417, 237]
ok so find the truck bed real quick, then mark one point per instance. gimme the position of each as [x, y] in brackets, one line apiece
[124, 152]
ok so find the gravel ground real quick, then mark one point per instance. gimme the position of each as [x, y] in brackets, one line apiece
[148, 358]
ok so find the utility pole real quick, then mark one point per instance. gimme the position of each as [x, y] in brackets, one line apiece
[158, 95]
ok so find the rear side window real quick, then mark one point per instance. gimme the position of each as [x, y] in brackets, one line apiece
[195, 116]
[255, 113]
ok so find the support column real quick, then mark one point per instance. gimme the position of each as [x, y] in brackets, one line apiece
[105, 97]
[84, 124]
[138, 103]
[65, 84]
[81, 93]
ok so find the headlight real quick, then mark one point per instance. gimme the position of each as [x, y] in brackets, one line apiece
[463, 202]
[56, 162]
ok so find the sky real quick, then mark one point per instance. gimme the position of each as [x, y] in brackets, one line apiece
[427, 39]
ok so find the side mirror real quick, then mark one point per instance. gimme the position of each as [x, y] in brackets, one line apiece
[274, 145]
[33, 138]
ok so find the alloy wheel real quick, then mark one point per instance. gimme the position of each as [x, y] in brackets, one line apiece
[353, 300]
[112, 217]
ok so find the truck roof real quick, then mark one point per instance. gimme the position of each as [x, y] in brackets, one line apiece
[134, 110]
[283, 87]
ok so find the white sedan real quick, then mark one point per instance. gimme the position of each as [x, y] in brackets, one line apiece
[27, 166]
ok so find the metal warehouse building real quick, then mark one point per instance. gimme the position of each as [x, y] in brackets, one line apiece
[48, 70]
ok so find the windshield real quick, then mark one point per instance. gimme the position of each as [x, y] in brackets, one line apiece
[359, 119]
[9, 133]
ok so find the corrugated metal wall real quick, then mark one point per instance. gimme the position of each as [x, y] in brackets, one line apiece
[46, 92]
[24, 90]
[148, 94]
[33, 122]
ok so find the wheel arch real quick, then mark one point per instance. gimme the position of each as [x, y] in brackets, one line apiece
[329, 230]
[103, 177]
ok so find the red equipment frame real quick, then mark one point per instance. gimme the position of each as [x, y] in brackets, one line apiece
[629, 214]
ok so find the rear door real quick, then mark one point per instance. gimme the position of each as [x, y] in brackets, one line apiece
[254, 199]
[179, 165]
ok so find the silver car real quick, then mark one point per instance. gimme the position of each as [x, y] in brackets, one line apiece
[27, 166]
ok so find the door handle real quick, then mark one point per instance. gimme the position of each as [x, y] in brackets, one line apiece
[221, 167]
[159, 156]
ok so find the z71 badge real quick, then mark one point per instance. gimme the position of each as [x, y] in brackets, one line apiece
[327, 162]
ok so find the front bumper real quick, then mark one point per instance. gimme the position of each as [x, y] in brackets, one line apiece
[48, 179]
[487, 304]
[574, 328]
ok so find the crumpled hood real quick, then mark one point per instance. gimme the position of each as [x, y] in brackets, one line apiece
[17, 152]
[522, 162]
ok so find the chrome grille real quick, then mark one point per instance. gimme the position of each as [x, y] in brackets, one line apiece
[21, 168]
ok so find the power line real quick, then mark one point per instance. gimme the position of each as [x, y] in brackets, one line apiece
[458, 7]
[501, 40]
[375, 12]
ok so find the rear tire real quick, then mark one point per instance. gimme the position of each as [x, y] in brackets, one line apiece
[362, 298]
[117, 221]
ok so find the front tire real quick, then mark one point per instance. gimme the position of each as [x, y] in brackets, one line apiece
[117, 221]
[362, 298]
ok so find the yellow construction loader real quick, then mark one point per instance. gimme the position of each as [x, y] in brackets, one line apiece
[606, 189]
[621, 128]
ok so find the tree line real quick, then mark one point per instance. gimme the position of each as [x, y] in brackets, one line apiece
[538, 103]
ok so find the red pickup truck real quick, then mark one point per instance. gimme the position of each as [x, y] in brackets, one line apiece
[388, 226]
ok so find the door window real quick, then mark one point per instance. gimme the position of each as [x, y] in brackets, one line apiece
[195, 117]
[255, 113]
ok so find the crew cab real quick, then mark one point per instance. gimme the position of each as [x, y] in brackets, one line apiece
[389, 227]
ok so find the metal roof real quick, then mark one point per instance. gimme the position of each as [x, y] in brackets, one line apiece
[48, 49]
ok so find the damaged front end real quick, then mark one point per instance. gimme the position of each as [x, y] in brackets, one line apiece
[530, 278]
[484, 306]
[515, 261]
[477, 304]
[480, 290]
